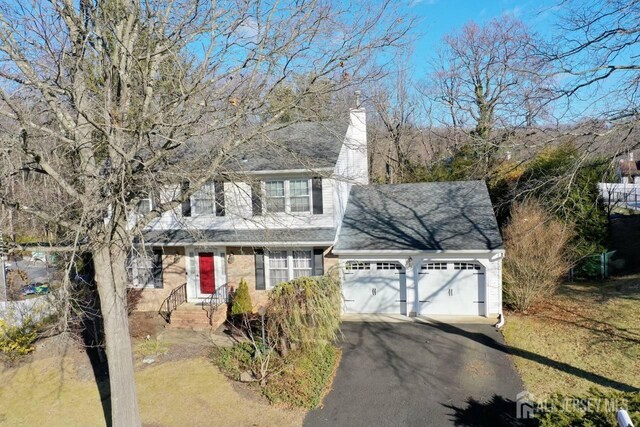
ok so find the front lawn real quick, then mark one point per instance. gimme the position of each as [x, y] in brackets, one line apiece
[587, 335]
[55, 386]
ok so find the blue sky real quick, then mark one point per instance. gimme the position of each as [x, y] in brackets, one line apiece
[440, 17]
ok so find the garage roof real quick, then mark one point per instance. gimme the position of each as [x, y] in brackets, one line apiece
[446, 216]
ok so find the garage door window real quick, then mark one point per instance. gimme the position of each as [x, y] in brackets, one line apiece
[388, 266]
[434, 266]
[355, 265]
[466, 266]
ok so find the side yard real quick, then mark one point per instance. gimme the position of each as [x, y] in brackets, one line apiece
[588, 335]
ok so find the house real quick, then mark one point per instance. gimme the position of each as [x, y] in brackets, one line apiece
[626, 192]
[302, 205]
[629, 170]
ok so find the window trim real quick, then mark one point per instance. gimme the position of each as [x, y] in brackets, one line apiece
[287, 195]
[290, 268]
[211, 192]
[136, 265]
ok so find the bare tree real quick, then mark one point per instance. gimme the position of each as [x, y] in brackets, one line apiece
[396, 112]
[489, 78]
[109, 100]
[598, 54]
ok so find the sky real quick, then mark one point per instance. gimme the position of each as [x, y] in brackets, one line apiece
[436, 18]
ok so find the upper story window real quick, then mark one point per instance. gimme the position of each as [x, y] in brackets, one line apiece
[203, 201]
[275, 196]
[299, 195]
[292, 195]
[208, 200]
[145, 205]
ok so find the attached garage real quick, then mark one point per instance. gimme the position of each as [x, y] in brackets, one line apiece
[421, 249]
[374, 287]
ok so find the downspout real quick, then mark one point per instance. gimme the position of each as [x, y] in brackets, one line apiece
[500, 323]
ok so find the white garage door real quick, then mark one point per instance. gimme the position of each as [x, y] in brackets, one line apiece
[374, 287]
[451, 288]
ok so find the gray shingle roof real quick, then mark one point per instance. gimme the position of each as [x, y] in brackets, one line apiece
[303, 145]
[421, 216]
[180, 237]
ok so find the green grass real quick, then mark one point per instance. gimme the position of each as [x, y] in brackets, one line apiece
[587, 335]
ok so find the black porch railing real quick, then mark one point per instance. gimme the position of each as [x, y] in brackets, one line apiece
[177, 297]
[219, 297]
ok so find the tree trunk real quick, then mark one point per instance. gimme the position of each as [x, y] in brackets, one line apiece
[109, 263]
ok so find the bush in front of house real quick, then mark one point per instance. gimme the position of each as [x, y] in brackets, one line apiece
[595, 409]
[242, 300]
[235, 360]
[537, 248]
[302, 382]
[295, 364]
[304, 312]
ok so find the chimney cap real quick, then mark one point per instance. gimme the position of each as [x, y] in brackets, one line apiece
[358, 94]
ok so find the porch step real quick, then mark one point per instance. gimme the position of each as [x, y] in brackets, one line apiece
[192, 316]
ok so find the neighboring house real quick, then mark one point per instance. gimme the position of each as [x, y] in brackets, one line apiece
[626, 192]
[302, 205]
[629, 170]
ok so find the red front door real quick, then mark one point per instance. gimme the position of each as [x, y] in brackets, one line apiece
[207, 274]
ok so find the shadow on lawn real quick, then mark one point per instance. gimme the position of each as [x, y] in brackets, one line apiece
[497, 412]
[93, 337]
[525, 354]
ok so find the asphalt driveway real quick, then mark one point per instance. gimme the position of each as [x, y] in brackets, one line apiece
[419, 374]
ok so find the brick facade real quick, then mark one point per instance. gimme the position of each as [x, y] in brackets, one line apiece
[242, 267]
[173, 275]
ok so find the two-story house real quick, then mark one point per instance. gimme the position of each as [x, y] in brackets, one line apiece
[301, 204]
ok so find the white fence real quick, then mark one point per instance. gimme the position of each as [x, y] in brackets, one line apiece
[623, 195]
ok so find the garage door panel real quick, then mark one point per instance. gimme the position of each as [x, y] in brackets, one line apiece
[374, 287]
[455, 288]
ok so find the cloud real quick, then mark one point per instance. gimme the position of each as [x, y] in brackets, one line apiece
[414, 3]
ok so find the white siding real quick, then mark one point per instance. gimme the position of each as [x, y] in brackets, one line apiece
[352, 166]
[239, 215]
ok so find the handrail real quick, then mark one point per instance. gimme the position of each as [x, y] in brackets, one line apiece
[177, 297]
[219, 297]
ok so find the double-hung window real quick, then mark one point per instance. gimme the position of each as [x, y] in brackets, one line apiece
[145, 269]
[275, 196]
[145, 204]
[203, 201]
[292, 195]
[299, 195]
[285, 265]
[278, 267]
[302, 263]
